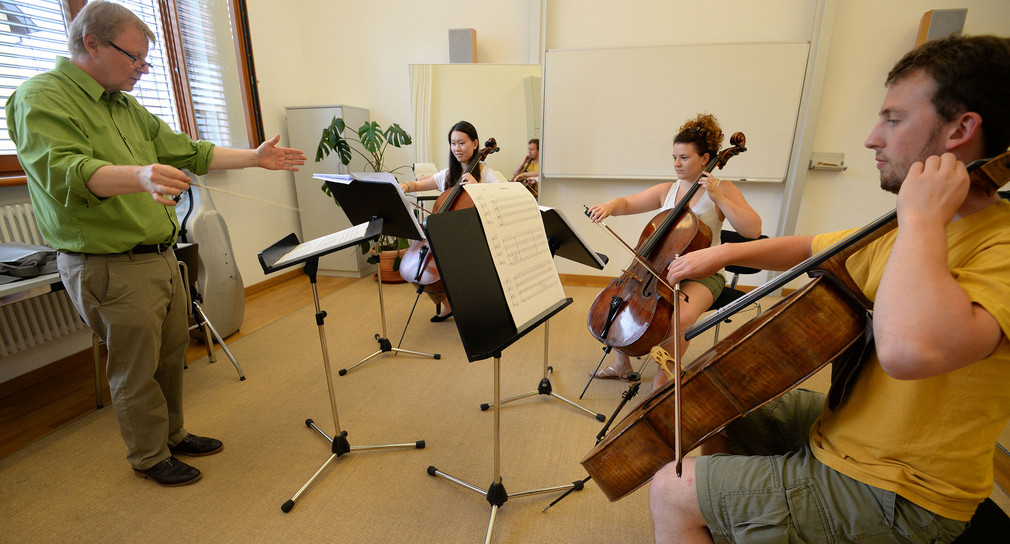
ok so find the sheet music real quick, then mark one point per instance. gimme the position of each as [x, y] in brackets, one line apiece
[415, 232]
[375, 176]
[339, 178]
[518, 244]
[307, 249]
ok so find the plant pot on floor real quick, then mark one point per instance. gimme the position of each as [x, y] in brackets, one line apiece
[387, 260]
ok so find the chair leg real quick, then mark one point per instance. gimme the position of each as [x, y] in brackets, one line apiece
[224, 347]
[209, 340]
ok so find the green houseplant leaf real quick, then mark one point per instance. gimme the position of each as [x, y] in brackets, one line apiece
[370, 142]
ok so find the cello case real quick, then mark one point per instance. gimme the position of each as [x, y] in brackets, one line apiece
[218, 280]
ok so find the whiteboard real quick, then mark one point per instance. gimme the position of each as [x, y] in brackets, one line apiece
[613, 113]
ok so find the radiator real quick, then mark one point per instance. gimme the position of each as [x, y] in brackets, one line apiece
[32, 322]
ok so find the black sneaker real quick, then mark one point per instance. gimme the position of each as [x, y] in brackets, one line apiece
[170, 472]
[196, 446]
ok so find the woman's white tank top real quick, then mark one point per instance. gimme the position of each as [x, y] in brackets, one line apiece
[705, 209]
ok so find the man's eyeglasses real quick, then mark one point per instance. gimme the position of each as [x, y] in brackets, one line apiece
[139, 64]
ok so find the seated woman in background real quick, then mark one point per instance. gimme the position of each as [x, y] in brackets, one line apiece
[696, 143]
[464, 149]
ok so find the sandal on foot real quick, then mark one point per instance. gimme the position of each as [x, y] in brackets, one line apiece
[611, 373]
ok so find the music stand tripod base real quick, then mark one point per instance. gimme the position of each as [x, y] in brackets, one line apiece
[496, 494]
[385, 346]
[277, 257]
[545, 387]
[338, 443]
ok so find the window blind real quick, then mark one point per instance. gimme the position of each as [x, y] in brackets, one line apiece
[32, 35]
[154, 90]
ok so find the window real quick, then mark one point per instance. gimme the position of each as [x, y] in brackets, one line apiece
[214, 98]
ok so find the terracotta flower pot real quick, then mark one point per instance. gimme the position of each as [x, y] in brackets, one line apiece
[386, 260]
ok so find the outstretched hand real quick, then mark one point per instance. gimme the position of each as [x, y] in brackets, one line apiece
[272, 157]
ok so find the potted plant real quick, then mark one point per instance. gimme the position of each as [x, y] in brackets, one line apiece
[370, 143]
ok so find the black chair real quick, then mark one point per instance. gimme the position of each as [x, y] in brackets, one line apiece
[731, 293]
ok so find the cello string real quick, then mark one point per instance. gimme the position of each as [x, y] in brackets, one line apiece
[636, 257]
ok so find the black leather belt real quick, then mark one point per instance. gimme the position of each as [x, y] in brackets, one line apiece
[148, 248]
[137, 250]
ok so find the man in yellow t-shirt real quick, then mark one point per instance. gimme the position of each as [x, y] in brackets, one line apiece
[906, 456]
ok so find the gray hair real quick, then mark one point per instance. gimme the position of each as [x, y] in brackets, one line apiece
[105, 20]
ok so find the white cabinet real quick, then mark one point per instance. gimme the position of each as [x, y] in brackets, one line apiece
[319, 214]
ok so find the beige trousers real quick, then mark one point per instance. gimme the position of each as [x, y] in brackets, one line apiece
[137, 305]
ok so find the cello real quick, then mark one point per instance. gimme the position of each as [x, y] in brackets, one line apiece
[826, 321]
[531, 186]
[417, 265]
[633, 312]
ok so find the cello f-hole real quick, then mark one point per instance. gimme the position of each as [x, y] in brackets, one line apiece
[647, 288]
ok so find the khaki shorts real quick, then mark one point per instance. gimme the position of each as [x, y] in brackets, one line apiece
[774, 490]
[714, 283]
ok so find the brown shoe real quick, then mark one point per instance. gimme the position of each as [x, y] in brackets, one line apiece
[196, 446]
[170, 472]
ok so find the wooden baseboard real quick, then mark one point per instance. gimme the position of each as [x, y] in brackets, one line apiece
[584, 280]
[39, 402]
[272, 281]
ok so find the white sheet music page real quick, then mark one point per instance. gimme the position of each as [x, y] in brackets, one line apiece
[339, 178]
[518, 244]
[323, 243]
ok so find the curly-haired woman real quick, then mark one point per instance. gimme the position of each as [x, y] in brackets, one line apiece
[696, 144]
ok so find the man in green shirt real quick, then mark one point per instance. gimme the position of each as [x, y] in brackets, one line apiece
[102, 173]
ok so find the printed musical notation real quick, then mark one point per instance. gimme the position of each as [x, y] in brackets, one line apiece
[321, 244]
[515, 235]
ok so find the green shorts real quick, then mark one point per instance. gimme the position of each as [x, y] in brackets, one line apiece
[714, 283]
[772, 489]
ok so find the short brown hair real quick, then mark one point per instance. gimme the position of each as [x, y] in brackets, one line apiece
[971, 74]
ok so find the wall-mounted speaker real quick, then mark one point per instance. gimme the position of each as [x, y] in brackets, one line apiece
[940, 23]
[462, 45]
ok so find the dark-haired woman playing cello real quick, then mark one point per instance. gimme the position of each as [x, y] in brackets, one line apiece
[697, 142]
[464, 147]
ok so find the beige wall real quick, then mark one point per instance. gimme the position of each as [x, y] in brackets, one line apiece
[869, 36]
[357, 53]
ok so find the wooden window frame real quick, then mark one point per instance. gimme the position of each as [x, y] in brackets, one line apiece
[10, 169]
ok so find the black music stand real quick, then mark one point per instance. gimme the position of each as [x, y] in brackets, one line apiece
[364, 197]
[563, 241]
[288, 252]
[483, 319]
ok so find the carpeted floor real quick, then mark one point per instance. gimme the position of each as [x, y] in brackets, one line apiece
[76, 486]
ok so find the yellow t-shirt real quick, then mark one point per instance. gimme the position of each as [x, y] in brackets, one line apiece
[930, 440]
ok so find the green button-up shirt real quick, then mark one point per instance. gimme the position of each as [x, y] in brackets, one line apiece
[65, 127]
